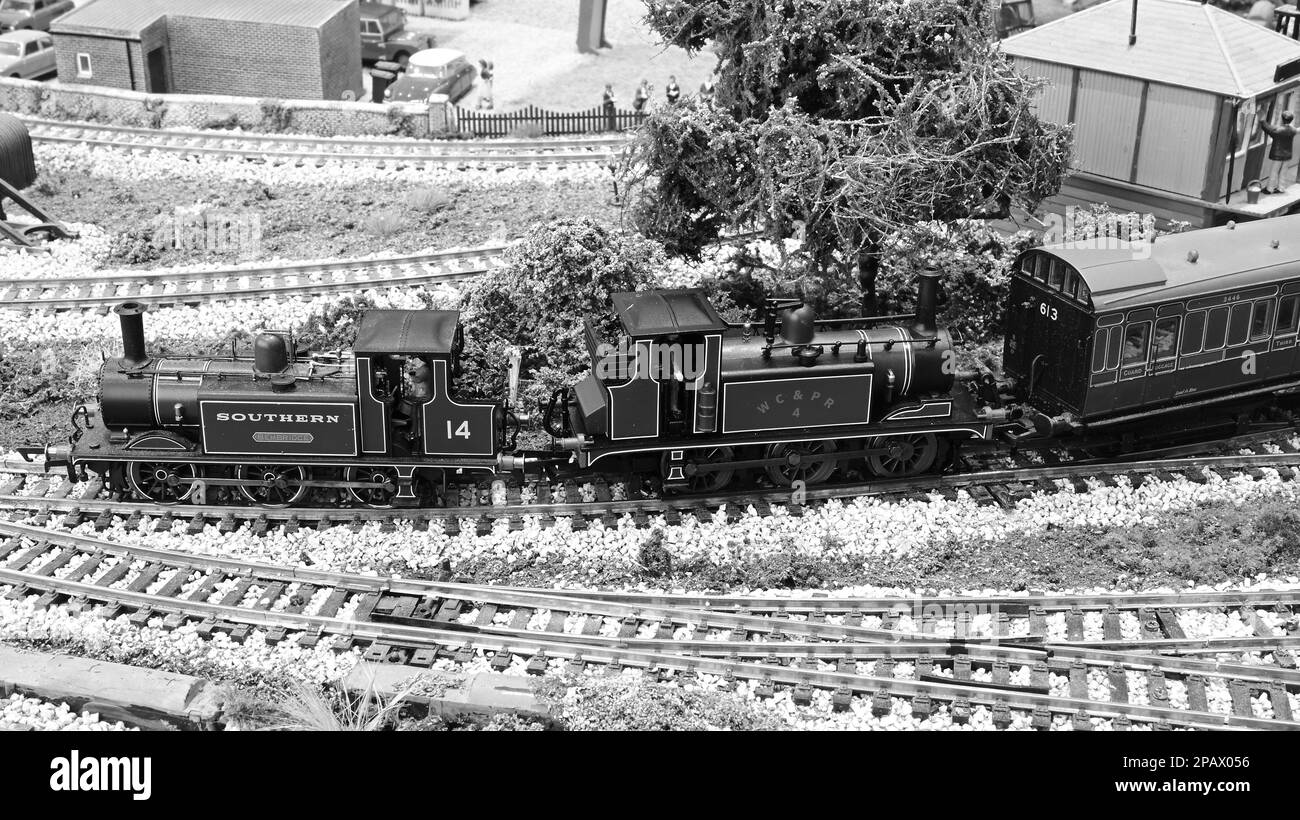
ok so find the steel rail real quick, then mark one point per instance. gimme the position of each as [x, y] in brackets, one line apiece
[970, 691]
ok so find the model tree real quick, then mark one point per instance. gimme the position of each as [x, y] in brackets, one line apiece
[845, 120]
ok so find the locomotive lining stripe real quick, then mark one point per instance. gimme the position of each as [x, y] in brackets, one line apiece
[928, 410]
[983, 432]
[366, 382]
[157, 407]
[908, 353]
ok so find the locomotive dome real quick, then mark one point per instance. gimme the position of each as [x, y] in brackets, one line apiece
[1124, 275]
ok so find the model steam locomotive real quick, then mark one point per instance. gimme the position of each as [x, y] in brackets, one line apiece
[1166, 334]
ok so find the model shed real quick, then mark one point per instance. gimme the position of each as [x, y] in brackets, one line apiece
[1166, 112]
[287, 49]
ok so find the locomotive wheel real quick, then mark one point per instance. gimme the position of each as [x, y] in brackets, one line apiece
[281, 484]
[806, 461]
[378, 497]
[162, 482]
[711, 481]
[907, 455]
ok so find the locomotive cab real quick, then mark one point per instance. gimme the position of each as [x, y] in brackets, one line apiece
[661, 377]
[406, 362]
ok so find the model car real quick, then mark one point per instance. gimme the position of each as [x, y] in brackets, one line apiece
[32, 14]
[26, 54]
[433, 71]
[384, 35]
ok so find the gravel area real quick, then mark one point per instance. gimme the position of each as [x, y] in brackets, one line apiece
[875, 537]
[19, 712]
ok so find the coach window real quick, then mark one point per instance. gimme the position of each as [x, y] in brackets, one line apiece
[1239, 324]
[1216, 328]
[1071, 282]
[1261, 320]
[1287, 313]
[1193, 332]
[1165, 344]
[1056, 275]
[1099, 350]
[1112, 348]
[1135, 343]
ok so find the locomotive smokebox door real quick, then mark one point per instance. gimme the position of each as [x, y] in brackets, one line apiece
[17, 162]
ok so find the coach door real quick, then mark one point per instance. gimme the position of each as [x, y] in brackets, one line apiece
[1163, 358]
[1135, 351]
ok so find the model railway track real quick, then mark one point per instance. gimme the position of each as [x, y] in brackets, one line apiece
[303, 150]
[178, 288]
[43, 496]
[422, 623]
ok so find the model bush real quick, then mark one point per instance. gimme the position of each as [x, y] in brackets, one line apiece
[627, 703]
[536, 300]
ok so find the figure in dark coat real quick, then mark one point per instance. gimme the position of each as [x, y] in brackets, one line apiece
[672, 90]
[1279, 153]
[607, 103]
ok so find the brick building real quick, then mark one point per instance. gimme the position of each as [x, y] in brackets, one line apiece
[286, 49]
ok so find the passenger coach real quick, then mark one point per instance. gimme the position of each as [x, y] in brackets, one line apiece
[1101, 335]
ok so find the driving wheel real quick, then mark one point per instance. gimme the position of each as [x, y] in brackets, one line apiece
[811, 462]
[162, 482]
[905, 455]
[281, 485]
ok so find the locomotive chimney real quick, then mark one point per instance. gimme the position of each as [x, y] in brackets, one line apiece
[927, 294]
[131, 315]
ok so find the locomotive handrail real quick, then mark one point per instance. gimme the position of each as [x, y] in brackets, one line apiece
[893, 317]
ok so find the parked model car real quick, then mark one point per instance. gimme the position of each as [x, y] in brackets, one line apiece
[433, 71]
[384, 35]
[33, 14]
[26, 54]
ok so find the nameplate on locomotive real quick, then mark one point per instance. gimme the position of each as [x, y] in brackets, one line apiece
[787, 404]
[275, 428]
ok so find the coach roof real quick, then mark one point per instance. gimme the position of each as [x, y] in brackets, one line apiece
[1181, 265]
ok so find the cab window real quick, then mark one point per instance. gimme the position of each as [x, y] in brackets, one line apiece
[1287, 312]
[1261, 316]
[1040, 267]
[1165, 343]
[1216, 328]
[1135, 343]
[1193, 332]
[1239, 324]
[1084, 294]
